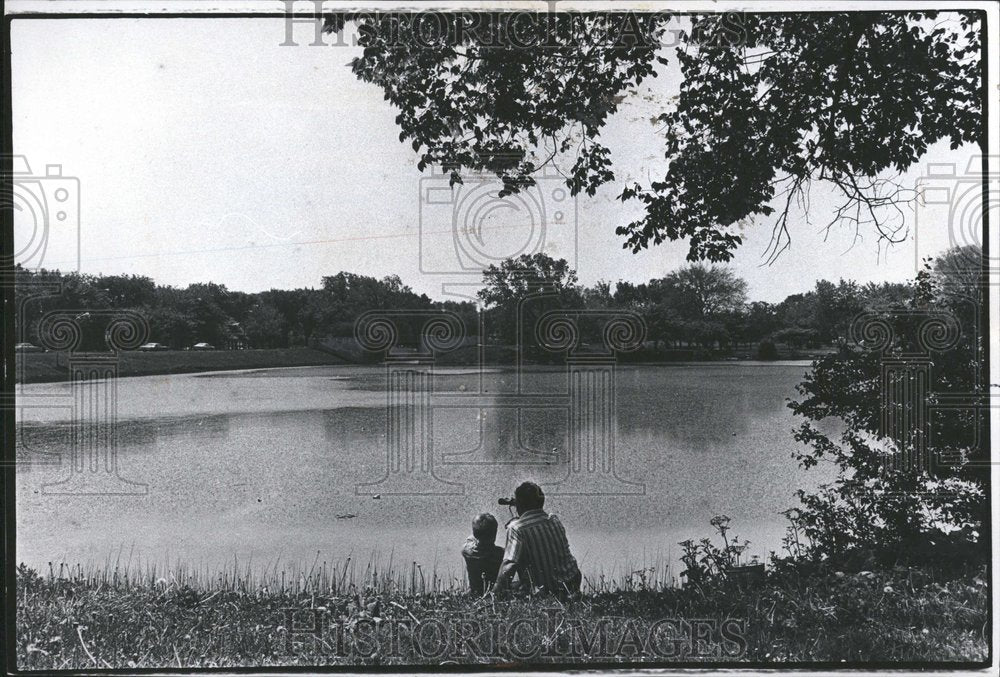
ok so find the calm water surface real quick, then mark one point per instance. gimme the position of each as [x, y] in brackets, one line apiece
[259, 465]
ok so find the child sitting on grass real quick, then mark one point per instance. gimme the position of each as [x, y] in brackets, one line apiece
[482, 555]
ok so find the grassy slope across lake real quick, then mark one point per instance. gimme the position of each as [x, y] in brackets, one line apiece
[52, 367]
[48, 367]
[112, 619]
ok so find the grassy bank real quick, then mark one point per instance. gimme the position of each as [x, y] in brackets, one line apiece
[48, 367]
[52, 367]
[129, 619]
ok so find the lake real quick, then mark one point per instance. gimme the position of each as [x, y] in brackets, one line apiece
[275, 466]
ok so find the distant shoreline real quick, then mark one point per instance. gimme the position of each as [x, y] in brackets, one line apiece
[52, 367]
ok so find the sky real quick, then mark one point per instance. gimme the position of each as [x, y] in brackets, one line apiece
[203, 150]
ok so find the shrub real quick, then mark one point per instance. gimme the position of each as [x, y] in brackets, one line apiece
[875, 502]
[767, 350]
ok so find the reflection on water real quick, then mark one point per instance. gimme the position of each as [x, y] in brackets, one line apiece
[507, 435]
[259, 465]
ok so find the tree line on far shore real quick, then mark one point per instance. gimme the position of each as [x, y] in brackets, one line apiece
[697, 306]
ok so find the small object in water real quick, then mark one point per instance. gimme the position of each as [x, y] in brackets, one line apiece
[376, 497]
[346, 516]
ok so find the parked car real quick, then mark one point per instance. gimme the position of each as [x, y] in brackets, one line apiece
[147, 347]
[202, 346]
[28, 348]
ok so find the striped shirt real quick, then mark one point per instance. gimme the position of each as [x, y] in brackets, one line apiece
[536, 543]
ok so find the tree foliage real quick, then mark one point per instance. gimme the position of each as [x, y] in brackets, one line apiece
[875, 500]
[529, 274]
[518, 291]
[694, 307]
[180, 317]
[704, 291]
[768, 105]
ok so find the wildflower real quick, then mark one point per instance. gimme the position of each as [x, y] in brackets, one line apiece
[887, 588]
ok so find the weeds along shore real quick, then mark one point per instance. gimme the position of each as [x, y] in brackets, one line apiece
[336, 614]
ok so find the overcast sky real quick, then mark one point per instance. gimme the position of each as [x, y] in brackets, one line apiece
[206, 151]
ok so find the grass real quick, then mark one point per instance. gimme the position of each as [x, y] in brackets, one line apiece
[49, 367]
[52, 367]
[345, 613]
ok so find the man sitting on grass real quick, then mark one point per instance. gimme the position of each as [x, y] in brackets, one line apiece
[537, 549]
[482, 555]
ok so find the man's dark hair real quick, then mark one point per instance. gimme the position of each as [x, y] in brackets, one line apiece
[529, 496]
[484, 527]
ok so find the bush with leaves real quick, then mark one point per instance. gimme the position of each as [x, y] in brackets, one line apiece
[767, 350]
[706, 562]
[876, 502]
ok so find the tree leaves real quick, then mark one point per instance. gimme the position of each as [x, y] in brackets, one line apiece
[874, 500]
[769, 103]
